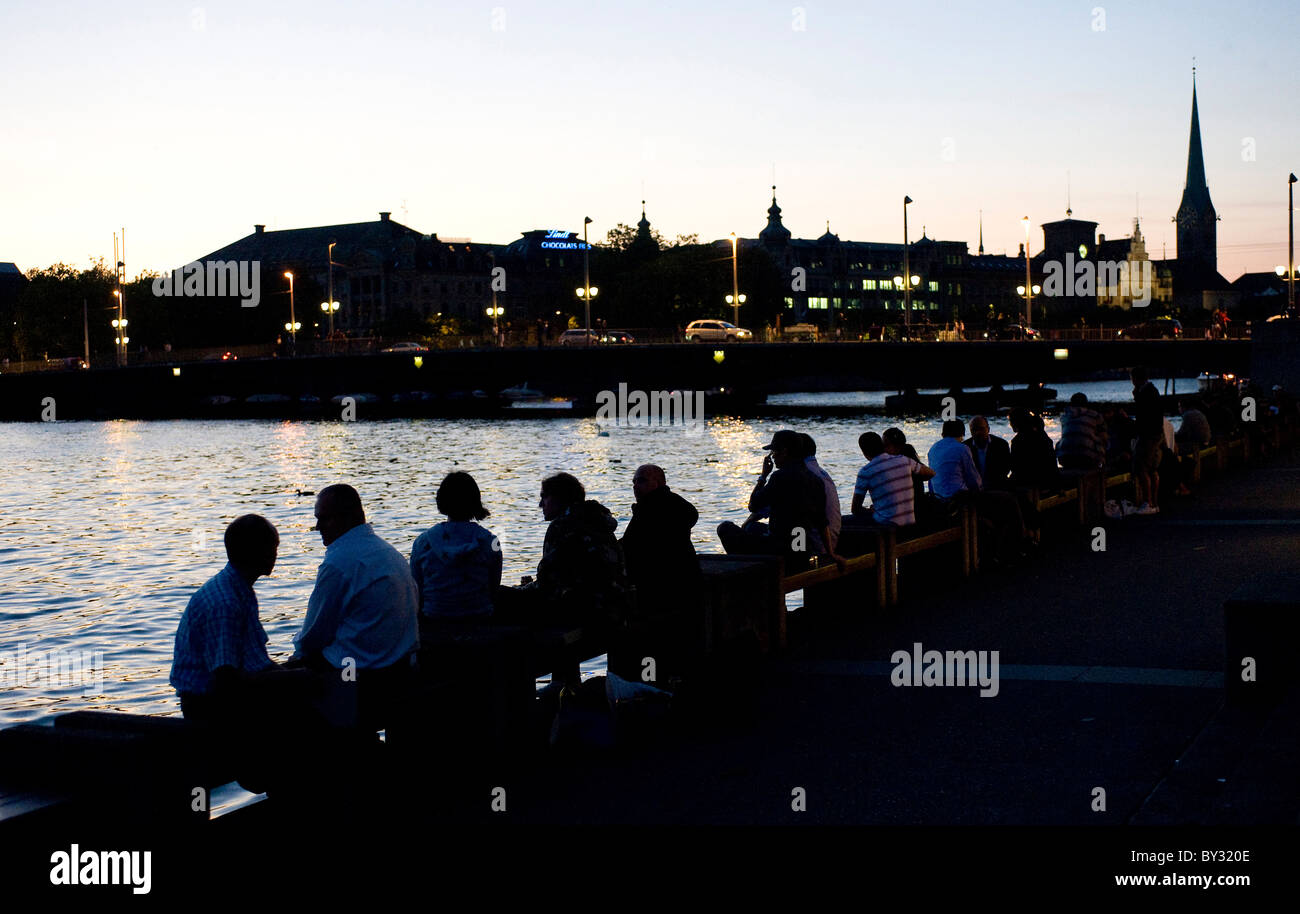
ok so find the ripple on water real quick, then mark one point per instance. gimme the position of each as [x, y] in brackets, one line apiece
[110, 527]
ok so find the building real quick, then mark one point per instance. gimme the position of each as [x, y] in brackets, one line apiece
[381, 270]
[1197, 282]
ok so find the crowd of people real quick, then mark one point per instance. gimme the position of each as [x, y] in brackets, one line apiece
[357, 647]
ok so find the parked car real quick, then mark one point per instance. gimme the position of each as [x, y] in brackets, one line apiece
[1158, 328]
[1011, 332]
[617, 337]
[71, 361]
[406, 347]
[579, 338]
[716, 332]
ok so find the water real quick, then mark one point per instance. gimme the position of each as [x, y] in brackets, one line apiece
[107, 528]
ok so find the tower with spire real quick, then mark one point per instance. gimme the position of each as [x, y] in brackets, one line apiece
[644, 245]
[1197, 251]
[775, 235]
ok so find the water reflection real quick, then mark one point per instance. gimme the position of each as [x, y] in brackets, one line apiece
[108, 528]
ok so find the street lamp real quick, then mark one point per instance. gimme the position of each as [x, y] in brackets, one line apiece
[293, 324]
[495, 313]
[330, 256]
[735, 299]
[1290, 244]
[907, 270]
[906, 286]
[586, 276]
[1029, 283]
[1033, 290]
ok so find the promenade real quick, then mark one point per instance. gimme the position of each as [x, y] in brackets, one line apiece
[1111, 676]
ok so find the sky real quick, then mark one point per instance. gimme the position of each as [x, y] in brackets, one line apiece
[188, 122]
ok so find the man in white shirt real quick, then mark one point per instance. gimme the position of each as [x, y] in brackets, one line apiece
[362, 616]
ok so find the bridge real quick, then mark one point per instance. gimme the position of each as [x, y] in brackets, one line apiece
[441, 382]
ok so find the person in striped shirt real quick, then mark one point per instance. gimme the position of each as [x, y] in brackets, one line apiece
[887, 478]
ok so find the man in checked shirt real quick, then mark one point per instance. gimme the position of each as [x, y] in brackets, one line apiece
[220, 644]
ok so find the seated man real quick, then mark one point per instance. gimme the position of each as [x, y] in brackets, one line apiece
[663, 566]
[220, 643]
[253, 710]
[991, 453]
[581, 577]
[657, 546]
[953, 466]
[361, 626]
[1033, 456]
[957, 479]
[895, 442]
[887, 478]
[1083, 441]
[796, 500]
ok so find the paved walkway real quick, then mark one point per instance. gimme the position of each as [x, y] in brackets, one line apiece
[1110, 677]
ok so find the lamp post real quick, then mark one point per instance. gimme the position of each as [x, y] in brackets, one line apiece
[1290, 245]
[119, 327]
[907, 270]
[1029, 288]
[1027, 293]
[905, 284]
[329, 307]
[495, 313]
[735, 299]
[330, 256]
[293, 324]
[586, 275]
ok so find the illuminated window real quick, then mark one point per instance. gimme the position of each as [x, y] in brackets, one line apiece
[869, 284]
[934, 286]
[819, 304]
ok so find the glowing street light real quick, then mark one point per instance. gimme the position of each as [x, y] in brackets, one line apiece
[293, 325]
[735, 299]
[586, 275]
[1029, 283]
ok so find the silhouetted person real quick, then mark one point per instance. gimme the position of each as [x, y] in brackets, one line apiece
[457, 564]
[887, 478]
[796, 501]
[834, 511]
[661, 560]
[220, 642]
[1147, 450]
[361, 627]
[1033, 456]
[1083, 436]
[580, 578]
[991, 454]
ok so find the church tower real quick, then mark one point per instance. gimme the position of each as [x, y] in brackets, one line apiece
[1197, 232]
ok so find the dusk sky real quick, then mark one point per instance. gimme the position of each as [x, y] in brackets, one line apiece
[188, 123]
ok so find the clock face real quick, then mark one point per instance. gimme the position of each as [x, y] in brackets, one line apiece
[1083, 250]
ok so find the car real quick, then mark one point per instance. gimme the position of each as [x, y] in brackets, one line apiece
[406, 347]
[579, 337]
[1011, 332]
[716, 332]
[1158, 328]
[617, 337]
[67, 362]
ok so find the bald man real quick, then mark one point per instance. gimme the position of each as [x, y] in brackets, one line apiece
[657, 544]
[362, 615]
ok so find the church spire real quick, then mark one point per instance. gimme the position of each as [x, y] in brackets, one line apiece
[981, 233]
[1197, 232]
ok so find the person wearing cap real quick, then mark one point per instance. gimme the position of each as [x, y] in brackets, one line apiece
[796, 502]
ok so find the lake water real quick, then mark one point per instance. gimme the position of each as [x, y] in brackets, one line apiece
[107, 528]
